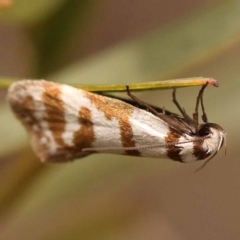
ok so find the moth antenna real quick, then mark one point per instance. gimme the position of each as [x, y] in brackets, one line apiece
[205, 163]
[122, 148]
[225, 149]
[143, 146]
[225, 141]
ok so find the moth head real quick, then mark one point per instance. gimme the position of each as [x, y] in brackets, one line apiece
[213, 139]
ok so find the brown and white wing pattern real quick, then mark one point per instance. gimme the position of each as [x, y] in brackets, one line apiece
[64, 121]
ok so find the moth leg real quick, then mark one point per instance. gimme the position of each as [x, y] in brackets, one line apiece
[176, 102]
[204, 116]
[134, 98]
[163, 110]
[191, 122]
[182, 110]
[200, 99]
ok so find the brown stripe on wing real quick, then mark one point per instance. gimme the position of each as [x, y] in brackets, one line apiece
[24, 111]
[199, 152]
[54, 113]
[127, 136]
[84, 137]
[173, 151]
[27, 109]
[113, 108]
[22, 104]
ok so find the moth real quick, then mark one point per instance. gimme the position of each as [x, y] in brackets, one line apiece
[66, 123]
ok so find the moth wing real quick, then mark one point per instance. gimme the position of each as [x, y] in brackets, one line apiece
[38, 105]
[176, 122]
[63, 120]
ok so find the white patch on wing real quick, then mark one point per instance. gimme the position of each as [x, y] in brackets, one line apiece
[106, 132]
[18, 93]
[187, 149]
[72, 103]
[36, 92]
[149, 130]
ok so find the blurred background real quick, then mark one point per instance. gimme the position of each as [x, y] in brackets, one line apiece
[109, 196]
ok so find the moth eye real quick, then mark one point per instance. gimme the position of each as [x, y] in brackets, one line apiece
[204, 131]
